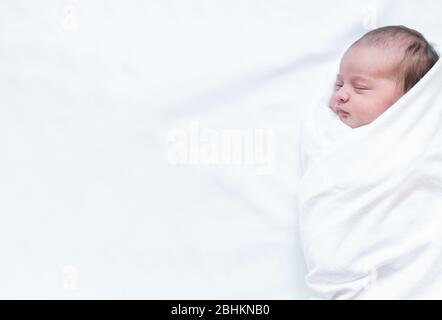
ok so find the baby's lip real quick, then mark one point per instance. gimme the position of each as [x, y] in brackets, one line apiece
[341, 112]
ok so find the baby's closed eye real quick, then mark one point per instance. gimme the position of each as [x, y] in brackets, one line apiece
[338, 85]
[361, 86]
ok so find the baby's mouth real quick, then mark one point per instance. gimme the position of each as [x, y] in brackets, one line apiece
[342, 113]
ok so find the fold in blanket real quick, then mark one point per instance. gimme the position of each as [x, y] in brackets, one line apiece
[370, 200]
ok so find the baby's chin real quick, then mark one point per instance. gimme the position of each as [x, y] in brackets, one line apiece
[348, 120]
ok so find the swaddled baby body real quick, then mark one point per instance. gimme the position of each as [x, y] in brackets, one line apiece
[369, 200]
[377, 70]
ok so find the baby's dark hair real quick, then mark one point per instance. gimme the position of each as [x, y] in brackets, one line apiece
[419, 56]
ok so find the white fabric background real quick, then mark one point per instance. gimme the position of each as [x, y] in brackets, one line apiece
[89, 91]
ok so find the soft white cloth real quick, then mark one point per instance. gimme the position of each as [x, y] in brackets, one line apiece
[370, 200]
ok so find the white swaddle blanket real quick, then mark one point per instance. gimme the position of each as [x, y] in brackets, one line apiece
[370, 200]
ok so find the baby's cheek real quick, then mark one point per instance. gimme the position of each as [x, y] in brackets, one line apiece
[330, 101]
[368, 110]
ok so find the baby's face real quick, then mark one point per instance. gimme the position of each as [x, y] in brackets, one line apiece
[365, 86]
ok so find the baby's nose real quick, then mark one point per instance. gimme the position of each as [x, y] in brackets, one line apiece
[343, 96]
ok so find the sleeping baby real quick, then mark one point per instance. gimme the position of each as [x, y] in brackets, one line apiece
[377, 70]
[369, 200]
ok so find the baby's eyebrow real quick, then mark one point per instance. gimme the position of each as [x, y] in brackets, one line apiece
[359, 78]
[355, 78]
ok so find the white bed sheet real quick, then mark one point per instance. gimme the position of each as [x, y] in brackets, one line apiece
[90, 93]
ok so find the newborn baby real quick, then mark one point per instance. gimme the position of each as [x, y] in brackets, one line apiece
[369, 203]
[377, 70]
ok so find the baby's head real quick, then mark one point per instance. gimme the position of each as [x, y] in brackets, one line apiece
[377, 70]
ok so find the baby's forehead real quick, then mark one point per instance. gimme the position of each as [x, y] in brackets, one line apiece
[369, 62]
